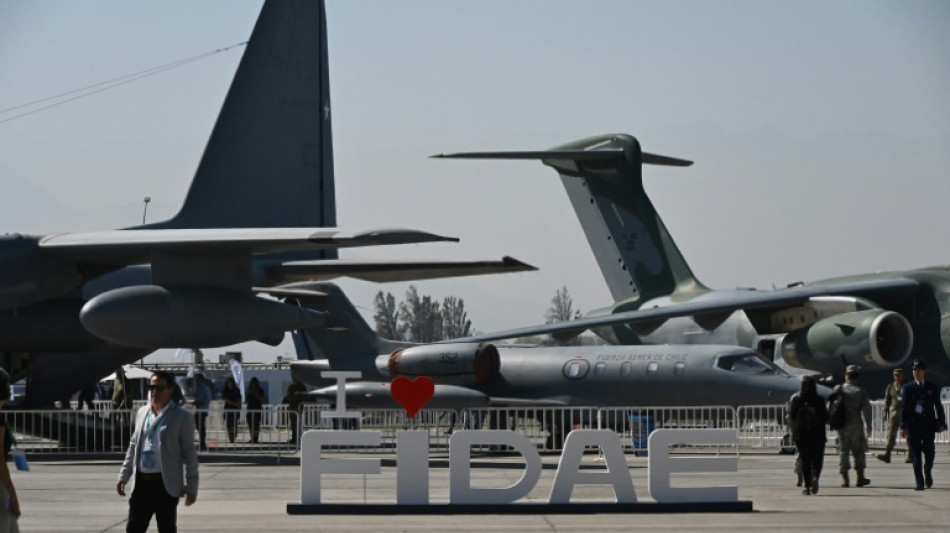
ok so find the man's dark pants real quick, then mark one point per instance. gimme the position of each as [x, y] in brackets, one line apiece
[150, 498]
[921, 442]
[812, 456]
[201, 423]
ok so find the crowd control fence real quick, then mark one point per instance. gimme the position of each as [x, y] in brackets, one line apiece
[275, 430]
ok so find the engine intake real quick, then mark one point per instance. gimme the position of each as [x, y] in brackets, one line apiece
[876, 338]
[468, 361]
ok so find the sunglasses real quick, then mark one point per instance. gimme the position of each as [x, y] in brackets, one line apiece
[157, 388]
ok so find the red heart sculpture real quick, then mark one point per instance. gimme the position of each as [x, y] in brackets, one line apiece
[412, 395]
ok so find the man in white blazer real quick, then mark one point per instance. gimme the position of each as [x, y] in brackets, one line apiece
[161, 459]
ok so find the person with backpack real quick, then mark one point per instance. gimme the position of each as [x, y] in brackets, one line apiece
[808, 416]
[851, 401]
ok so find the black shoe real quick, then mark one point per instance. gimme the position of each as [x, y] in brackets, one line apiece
[806, 492]
[920, 486]
[814, 487]
[929, 481]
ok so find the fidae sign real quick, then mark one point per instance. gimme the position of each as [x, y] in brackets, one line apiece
[412, 470]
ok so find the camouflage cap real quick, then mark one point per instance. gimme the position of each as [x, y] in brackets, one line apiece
[898, 372]
[853, 369]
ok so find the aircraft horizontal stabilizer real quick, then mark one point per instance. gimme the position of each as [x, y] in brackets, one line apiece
[573, 155]
[380, 271]
[287, 292]
[608, 154]
[654, 159]
[125, 247]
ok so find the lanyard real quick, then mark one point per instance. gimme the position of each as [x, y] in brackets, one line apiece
[150, 429]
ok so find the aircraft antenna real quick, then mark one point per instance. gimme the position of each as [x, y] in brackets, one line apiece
[109, 84]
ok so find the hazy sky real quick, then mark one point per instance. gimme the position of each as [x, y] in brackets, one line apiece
[820, 130]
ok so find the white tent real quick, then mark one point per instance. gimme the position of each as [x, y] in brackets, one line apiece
[131, 372]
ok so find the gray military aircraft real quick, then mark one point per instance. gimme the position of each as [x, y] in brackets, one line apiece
[479, 374]
[874, 320]
[260, 212]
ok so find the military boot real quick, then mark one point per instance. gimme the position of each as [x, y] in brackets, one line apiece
[862, 481]
[845, 482]
[886, 456]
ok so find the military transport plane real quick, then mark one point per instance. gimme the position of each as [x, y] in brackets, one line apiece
[480, 374]
[875, 320]
[260, 212]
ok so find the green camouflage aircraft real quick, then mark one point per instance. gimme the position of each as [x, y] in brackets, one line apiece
[874, 320]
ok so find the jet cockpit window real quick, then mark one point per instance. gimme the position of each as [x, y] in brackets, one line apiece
[652, 368]
[576, 369]
[747, 363]
[600, 368]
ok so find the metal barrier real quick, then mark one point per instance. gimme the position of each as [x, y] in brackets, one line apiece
[107, 431]
[546, 427]
[762, 426]
[102, 430]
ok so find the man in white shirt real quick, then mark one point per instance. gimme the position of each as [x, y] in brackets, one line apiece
[162, 458]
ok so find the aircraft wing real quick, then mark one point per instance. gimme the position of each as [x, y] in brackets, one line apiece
[376, 395]
[126, 247]
[387, 271]
[718, 303]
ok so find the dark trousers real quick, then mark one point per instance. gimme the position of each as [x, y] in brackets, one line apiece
[150, 498]
[921, 442]
[812, 456]
[231, 421]
[201, 422]
[294, 425]
[253, 418]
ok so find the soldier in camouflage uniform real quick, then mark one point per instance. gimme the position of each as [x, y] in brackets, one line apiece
[857, 427]
[893, 399]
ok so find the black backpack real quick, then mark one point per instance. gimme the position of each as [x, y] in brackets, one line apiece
[836, 410]
[806, 420]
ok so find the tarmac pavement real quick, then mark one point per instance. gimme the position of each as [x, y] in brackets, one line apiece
[79, 495]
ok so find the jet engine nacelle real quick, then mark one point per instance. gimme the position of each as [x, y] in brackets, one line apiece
[153, 317]
[872, 338]
[467, 362]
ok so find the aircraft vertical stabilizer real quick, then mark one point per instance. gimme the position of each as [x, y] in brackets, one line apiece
[272, 137]
[603, 179]
[345, 340]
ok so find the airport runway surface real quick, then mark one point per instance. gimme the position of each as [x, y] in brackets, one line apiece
[79, 495]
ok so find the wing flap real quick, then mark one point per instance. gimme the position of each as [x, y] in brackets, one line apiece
[389, 271]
